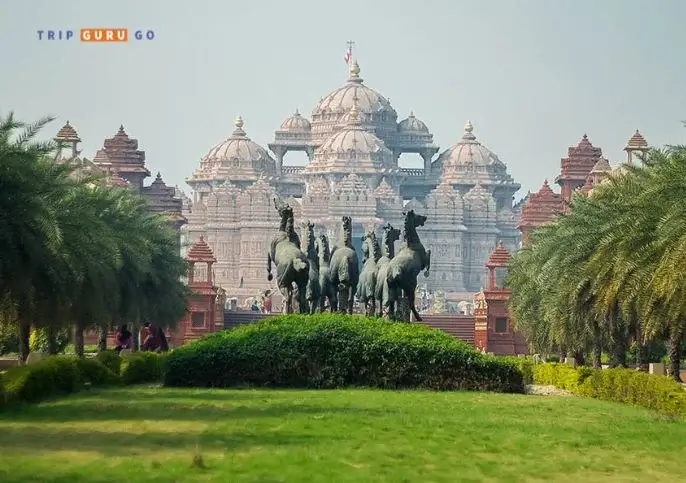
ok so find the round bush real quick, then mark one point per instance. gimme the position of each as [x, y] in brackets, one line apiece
[330, 350]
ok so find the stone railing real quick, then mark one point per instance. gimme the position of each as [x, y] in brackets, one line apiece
[412, 171]
[292, 169]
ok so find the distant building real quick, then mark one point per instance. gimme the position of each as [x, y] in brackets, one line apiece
[582, 169]
[122, 164]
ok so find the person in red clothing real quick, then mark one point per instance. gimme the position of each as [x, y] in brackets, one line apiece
[124, 339]
[156, 340]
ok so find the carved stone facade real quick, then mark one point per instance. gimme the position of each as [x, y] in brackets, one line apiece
[353, 142]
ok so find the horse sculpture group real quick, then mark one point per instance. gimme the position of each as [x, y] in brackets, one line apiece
[318, 276]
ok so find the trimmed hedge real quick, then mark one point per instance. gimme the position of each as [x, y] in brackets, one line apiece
[332, 350]
[59, 375]
[659, 393]
[141, 367]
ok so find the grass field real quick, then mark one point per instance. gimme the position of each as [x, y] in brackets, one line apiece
[168, 436]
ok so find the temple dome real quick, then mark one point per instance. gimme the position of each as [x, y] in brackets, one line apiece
[238, 157]
[468, 151]
[297, 122]
[374, 108]
[353, 149]
[412, 125]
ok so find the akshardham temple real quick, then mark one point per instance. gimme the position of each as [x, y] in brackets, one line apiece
[353, 141]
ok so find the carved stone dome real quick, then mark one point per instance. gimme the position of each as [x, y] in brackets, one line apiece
[468, 151]
[412, 125]
[238, 158]
[352, 149]
[332, 109]
[468, 162]
[297, 123]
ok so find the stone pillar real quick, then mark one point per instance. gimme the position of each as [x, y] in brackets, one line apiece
[426, 156]
[279, 152]
[480, 322]
[310, 153]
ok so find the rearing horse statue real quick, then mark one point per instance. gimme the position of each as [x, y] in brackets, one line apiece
[366, 288]
[313, 292]
[292, 266]
[404, 268]
[344, 268]
[388, 239]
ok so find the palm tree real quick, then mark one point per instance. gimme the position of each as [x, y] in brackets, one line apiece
[30, 186]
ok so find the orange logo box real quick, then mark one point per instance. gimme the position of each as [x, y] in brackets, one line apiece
[104, 35]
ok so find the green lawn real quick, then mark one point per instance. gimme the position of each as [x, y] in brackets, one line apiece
[167, 436]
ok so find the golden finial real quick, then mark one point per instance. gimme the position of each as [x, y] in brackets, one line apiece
[238, 122]
[468, 127]
[354, 69]
[352, 115]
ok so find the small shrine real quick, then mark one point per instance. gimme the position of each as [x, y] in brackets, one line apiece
[493, 331]
[200, 319]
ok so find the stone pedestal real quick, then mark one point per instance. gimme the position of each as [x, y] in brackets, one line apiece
[570, 361]
[656, 368]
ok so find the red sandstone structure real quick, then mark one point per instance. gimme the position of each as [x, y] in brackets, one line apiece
[582, 169]
[493, 332]
[201, 316]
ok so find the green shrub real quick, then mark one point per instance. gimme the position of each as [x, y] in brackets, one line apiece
[331, 350]
[9, 337]
[525, 366]
[96, 373]
[111, 360]
[38, 340]
[141, 367]
[46, 378]
[559, 375]
[660, 393]
[52, 376]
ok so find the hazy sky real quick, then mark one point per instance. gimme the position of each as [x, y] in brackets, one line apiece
[532, 75]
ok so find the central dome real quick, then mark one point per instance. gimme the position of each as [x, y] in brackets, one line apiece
[374, 108]
[353, 149]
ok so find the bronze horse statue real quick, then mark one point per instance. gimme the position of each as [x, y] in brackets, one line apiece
[313, 292]
[404, 268]
[388, 239]
[366, 288]
[326, 289]
[344, 268]
[292, 266]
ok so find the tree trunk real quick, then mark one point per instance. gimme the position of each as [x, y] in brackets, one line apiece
[51, 334]
[579, 358]
[102, 338]
[618, 341]
[79, 343]
[597, 346]
[676, 334]
[135, 333]
[24, 335]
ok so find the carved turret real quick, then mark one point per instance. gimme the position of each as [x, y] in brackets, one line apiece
[539, 208]
[575, 168]
[636, 143]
